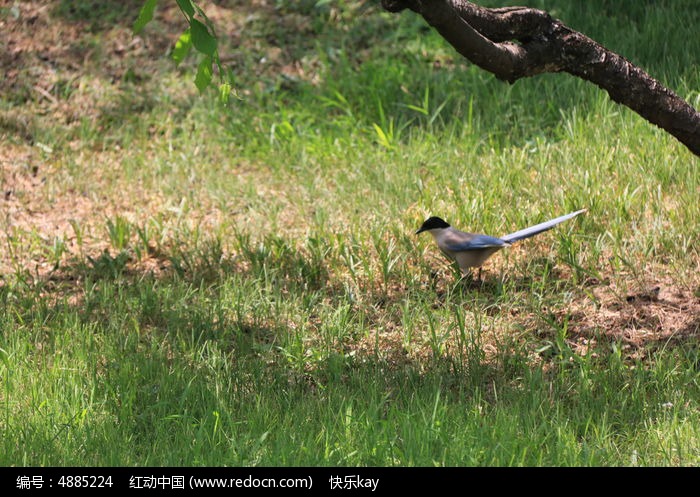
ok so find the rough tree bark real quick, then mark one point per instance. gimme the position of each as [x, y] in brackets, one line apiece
[517, 42]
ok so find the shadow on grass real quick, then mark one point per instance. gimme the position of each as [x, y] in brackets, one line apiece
[263, 301]
[196, 343]
[98, 14]
[258, 305]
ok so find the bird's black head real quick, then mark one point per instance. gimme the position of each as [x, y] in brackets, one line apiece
[432, 223]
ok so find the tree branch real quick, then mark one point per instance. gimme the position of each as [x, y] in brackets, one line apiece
[518, 42]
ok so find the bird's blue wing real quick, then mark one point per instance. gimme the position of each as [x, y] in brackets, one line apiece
[476, 242]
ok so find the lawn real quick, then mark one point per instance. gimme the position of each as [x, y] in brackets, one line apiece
[186, 283]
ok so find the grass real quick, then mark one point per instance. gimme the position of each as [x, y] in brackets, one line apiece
[186, 284]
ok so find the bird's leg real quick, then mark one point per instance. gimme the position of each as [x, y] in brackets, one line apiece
[463, 282]
[467, 277]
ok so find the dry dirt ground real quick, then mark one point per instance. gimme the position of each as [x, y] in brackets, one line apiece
[45, 51]
[58, 70]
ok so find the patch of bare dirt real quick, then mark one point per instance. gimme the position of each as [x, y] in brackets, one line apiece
[663, 312]
[45, 57]
[63, 68]
[640, 317]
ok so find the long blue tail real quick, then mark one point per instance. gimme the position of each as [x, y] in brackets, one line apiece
[539, 228]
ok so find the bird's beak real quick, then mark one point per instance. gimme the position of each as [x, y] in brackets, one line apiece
[421, 230]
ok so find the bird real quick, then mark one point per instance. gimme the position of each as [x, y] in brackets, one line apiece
[471, 250]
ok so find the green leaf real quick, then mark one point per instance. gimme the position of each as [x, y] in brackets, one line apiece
[204, 74]
[182, 47]
[383, 138]
[201, 39]
[5, 358]
[187, 8]
[224, 92]
[145, 16]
